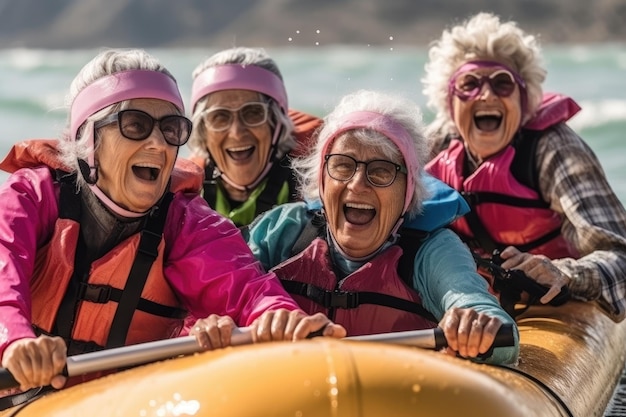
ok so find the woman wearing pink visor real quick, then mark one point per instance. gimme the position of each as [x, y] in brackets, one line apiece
[105, 242]
[243, 132]
[344, 251]
[538, 193]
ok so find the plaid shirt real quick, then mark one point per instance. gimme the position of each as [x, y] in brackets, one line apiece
[572, 180]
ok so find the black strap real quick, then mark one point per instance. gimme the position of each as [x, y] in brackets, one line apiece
[278, 175]
[475, 198]
[147, 252]
[104, 293]
[210, 185]
[351, 299]
[314, 228]
[69, 208]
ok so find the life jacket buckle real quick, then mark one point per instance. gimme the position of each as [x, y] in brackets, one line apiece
[343, 299]
[99, 294]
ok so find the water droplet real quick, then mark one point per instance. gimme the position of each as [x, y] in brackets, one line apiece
[317, 31]
[391, 38]
[334, 391]
[297, 31]
[317, 44]
[391, 49]
[416, 388]
[290, 39]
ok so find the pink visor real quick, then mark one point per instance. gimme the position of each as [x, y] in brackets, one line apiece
[391, 129]
[123, 85]
[239, 77]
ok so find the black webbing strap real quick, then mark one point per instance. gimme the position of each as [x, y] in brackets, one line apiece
[209, 185]
[352, 299]
[147, 252]
[69, 208]
[276, 178]
[104, 293]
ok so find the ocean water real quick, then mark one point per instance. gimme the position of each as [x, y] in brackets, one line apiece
[33, 84]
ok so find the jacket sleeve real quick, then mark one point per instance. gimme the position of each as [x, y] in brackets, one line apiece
[28, 209]
[445, 276]
[572, 180]
[212, 269]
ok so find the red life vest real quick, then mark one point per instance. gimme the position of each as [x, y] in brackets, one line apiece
[511, 213]
[378, 276]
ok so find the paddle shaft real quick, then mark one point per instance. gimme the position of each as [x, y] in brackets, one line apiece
[139, 354]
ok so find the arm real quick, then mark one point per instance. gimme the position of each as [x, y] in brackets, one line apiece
[272, 235]
[594, 220]
[212, 269]
[28, 209]
[446, 278]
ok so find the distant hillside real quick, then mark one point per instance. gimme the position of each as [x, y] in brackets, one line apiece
[222, 23]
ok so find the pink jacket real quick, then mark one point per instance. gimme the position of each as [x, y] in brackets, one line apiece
[207, 262]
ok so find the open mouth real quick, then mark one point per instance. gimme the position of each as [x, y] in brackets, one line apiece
[241, 153]
[488, 121]
[146, 172]
[359, 214]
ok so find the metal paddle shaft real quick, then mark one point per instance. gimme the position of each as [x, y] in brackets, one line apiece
[140, 354]
[432, 338]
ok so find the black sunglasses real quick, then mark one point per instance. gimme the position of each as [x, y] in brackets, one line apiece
[138, 125]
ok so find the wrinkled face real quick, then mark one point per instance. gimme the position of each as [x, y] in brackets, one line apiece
[488, 121]
[241, 151]
[360, 215]
[134, 174]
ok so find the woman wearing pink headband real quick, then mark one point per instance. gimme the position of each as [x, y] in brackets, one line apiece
[538, 193]
[345, 251]
[243, 132]
[105, 241]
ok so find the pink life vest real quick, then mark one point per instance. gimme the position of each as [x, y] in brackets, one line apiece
[513, 214]
[377, 276]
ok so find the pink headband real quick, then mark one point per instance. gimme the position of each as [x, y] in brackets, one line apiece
[123, 85]
[472, 65]
[240, 77]
[391, 129]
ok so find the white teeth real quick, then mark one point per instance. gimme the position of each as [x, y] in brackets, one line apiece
[147, 165]
[360, 206]
[239, 149]
[482, 113]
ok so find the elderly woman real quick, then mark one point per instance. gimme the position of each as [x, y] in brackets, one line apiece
[538, 192]
[243, 132]
[105, 241]
[341, 251]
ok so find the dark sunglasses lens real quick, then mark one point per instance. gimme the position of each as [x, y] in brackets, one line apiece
[175, 129]
[135, 125]
[503, 84]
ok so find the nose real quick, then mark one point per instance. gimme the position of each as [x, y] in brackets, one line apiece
[359, 179]
[236, 126]
[485, 91]
[156, 137]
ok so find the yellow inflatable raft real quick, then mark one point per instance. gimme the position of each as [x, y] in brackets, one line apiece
[571, 359]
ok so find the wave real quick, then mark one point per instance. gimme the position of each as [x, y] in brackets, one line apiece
[599, 113]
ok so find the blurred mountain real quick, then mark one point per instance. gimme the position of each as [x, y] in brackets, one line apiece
[66, 24]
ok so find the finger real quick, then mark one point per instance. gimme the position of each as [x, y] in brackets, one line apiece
[450, 325]
[262, 327]
[467, 322]
[310, 324]
[475, 338]
[202, 329]
[225, 326]
[552, 292]
[279, 325]
[489, 333]
[335, 330]
[292, 323]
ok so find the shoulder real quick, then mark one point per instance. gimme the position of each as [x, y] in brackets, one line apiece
[442, 207]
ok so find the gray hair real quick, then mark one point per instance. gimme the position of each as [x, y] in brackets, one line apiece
[403, 110]
[105, 63]
[483, 37]
[244, 56]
